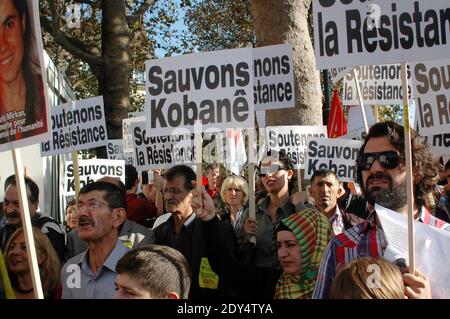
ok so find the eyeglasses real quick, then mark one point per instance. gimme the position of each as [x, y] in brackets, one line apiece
[91, 205]
[272, 169]
[387, 159]
[173, 190]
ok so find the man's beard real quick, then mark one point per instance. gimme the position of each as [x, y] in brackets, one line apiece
[392, 197]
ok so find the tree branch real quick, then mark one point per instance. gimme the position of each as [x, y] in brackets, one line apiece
[76, 47]
[140, 11]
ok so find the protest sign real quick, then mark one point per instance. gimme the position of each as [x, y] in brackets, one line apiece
[115, 151]
[76, 126]
[356, 129]
[431, 247]
[336, 154]
[432, 90]
[293, 140]
[154, 152]
[24, 107]
[90, 171]
[379, 84]
[214, 88]
[273, 84]
[338, 73]
[126, 131]
[350, 32]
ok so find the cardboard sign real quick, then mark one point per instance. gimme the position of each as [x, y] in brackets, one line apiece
[293, 140]
[336, 154]
[213, 90]
[76, 126]
[380, 85]
[115, 152]
[351, 32]
[432, 90]
[24, 107]
[154, 152]
[273, 77]
[126, 132]
[90, 171]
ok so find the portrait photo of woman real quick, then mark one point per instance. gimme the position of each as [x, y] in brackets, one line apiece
[22, 97]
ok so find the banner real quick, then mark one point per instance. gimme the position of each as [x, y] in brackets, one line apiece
[432, 90]
[126, 130]
[155, 152]
[293, 140]
[24, 114]
[76, 126]
[90, 171]
[214, 88]
[336, 154]
[379, 84]
[115, 152]
[273, 77]
[350, 32]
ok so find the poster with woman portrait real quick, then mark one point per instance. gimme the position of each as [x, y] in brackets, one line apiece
[23, 112]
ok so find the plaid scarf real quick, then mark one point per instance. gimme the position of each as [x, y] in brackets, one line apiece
[313, 232]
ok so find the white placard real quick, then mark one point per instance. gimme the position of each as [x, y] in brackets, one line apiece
[356, 129]
[215, 88]
[432, 255]
[293, 140]
[379, 32]
[273, 77]
[90, 171]
[338, 73]
[432, 90]
[115, 152]
[76, 126]
[380, 85]
[155, 152]
[126, 132]
[336, 154]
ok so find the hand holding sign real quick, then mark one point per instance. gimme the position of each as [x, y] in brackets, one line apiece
[203, 205]
[417, 286]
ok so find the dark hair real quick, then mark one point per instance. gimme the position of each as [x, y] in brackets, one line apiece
[131, 176]
[286, 161]
[423, 162]
[34, 189]
[159, 270]
[323, 172]
[114, 195]
[28, 64]
[447, 165]
[184, 171]
[211, 167]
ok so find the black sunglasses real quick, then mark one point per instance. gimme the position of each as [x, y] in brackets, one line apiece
[387, 159]
[272, 169]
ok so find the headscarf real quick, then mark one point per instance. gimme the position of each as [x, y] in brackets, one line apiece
[313, 232]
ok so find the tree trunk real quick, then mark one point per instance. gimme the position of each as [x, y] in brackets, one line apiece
[286, 21]
[114, 71]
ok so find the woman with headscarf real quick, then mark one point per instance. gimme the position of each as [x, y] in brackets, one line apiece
[301, 242]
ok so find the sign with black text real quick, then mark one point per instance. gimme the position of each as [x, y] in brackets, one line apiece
[213, 88]
[273, 77]
[76, 126]
[351, 32]
[292, 139]
[90, 171]
[115, 152]
[337, 154]
[155, 152]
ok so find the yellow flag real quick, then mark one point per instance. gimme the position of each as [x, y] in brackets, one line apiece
[5, 279]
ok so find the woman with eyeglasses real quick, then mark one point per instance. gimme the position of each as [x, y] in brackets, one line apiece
[277, 175]
[235, 194]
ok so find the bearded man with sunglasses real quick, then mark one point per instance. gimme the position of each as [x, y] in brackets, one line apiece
[382, 177]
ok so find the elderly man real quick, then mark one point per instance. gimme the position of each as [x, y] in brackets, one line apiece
[382, 176]
[91, 274]
[326, 189]
[38, 219]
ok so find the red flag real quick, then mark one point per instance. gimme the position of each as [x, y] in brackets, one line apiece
[337, 125]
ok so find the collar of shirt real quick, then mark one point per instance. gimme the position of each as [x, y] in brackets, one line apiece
[110, 263]
[191, 218]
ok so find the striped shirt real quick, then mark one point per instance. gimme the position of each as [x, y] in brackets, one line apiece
[363, 240]
[337, 221]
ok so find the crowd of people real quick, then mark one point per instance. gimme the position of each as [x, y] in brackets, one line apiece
[170, 241]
